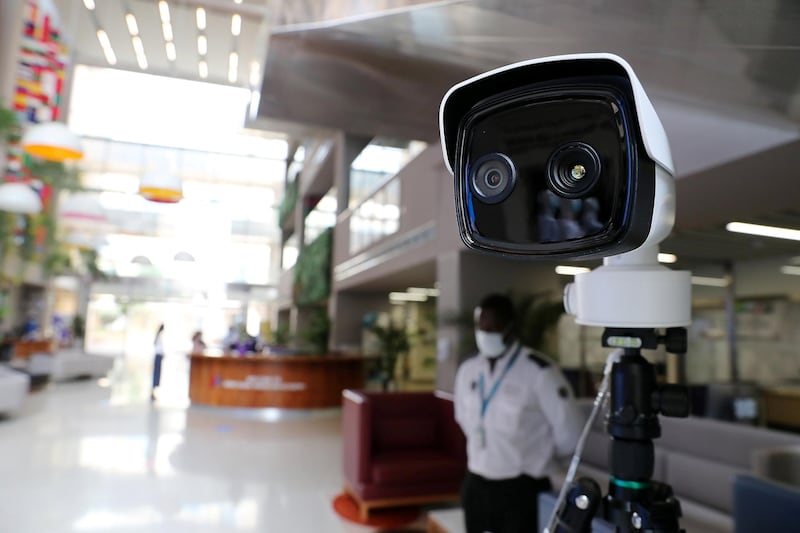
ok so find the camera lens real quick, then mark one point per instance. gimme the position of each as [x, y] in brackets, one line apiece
[493, 178]
[573, 169]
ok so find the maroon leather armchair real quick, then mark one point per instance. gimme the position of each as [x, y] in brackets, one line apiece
[401, 448]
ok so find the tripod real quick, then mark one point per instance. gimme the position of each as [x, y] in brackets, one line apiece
[635, 502]
[632, 318]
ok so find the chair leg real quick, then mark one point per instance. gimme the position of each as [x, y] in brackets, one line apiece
[363, 511]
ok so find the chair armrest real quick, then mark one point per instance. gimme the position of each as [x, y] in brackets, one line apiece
[356, 431]
[764, 505]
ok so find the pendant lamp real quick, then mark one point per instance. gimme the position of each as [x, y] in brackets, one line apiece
[20, 198]
[183, 256]
[161, 187]
[52, 141]
[82, 206]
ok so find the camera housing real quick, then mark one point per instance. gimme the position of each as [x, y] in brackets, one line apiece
[562, 157]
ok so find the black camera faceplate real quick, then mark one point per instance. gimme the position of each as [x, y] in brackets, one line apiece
[528, 125]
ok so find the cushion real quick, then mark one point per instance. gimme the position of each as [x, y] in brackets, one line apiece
[404, 433]
[704, 481]
[763, 505]
[399, 468]
[725, 442]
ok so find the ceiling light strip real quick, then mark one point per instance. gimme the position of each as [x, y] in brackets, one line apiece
[709, 282]
[138, 48]
[764, 231]
[236, 24]
[102, 36]
[163, 11]
[201, 19]
[565, 270]
[172, 53]
[791, 270]
[255, 74]
[105, 44]
[233, 67]
[130, 21]
[166, 30]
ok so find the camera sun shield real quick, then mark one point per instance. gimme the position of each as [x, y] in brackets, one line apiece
[549, 160]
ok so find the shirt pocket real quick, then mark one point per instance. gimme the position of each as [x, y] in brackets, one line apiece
[507, 416]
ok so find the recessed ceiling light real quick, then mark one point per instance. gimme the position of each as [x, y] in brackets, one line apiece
[201, 18]
[166, 30]
[105, 44]
[764, 231]
[89, 4]
[236, 24]
[233, 67]
[133, 28]
[163, 10]
[202, 69]
[202, 45]
[138, 47]
[171, 52]
[255, 73]
[667, 258]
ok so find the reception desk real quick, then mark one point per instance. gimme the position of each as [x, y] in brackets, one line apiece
[287, 381]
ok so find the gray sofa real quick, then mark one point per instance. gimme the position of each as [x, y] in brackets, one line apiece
[700, 458]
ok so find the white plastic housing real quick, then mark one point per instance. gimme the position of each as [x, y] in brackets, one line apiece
[631, 291]
[654, 136]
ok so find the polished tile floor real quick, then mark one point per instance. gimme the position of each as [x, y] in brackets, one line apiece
[98, 456]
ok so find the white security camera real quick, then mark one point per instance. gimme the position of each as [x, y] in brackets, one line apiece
[565, 158]
[561, 157]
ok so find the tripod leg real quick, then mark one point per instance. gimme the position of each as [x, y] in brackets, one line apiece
[579, 507]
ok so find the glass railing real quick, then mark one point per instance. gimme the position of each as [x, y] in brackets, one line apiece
[374, 193]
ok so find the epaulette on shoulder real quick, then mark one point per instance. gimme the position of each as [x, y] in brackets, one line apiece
[539, 360]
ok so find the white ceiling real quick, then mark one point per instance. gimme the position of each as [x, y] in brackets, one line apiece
[723, 74]
[251, 45]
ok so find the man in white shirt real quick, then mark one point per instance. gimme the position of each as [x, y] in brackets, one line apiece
[519, 414]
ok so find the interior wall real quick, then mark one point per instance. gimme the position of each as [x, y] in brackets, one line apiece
[464, 279]
[10, 32]
[347, 311]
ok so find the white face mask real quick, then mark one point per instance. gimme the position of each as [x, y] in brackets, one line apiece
[489, 344]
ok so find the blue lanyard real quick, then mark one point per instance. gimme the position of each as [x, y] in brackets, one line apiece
[486, 399]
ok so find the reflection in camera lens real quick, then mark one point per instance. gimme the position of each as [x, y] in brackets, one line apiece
[573, 169]
[564, 219]
[546, 221]
[590, 216]
[494, 178]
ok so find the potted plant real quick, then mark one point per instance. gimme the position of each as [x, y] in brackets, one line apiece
[394, 344]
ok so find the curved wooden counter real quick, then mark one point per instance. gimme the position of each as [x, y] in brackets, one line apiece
[289, 381]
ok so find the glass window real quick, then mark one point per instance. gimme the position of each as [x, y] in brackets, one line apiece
[376, 218]
[321, 217]
[379, 161]
[290, 252]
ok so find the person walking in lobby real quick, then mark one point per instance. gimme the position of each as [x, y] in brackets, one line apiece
[158, 349]
[198, 344]
[519, 415]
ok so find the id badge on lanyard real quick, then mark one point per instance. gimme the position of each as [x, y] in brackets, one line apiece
[480, 431]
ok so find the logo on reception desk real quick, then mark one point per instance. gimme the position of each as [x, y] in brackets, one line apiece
[258, 382]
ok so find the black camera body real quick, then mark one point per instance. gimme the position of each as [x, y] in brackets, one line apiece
[558, 158]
